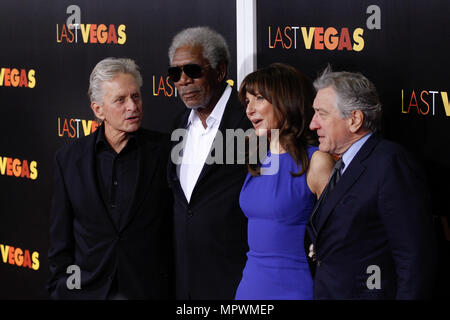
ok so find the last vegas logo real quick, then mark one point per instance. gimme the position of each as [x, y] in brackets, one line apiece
[330, 38]
[73, 31]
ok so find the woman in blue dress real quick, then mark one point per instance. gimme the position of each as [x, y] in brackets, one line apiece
[279, 192]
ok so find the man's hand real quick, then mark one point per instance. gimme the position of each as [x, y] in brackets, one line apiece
[312, 253]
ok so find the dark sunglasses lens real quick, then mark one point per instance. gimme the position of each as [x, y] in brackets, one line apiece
[193, 71]
[174, 73]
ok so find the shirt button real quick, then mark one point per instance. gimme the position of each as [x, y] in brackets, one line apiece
[190, 213]
[116, 183]
[113, 206]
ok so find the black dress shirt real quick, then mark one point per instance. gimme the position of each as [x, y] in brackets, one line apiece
[117, 174]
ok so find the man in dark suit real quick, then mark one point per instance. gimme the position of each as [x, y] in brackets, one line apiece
[210, 228]
[110, 215]
[371, 230]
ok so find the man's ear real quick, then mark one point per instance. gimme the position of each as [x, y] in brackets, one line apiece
[356, 120]
[221, 71]
[98, 110]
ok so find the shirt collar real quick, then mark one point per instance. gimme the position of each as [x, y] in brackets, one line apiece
[101, 143]
[217, 112]
[351, 152]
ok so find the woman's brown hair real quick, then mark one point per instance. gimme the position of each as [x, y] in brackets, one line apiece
[291, 94]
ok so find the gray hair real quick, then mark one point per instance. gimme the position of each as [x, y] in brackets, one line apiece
[215, 48]
[353, 92]
[106, 70]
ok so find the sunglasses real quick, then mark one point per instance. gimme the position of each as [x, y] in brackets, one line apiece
[192, 70]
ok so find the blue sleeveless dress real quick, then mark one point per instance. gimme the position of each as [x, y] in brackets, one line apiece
[278, 207]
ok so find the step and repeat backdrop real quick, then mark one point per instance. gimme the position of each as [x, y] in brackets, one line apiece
[402, 46]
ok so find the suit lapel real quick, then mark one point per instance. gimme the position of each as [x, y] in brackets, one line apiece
[88, 175]
[148, 155]
[346, 181]
[350, 176]
[231, 118]
[173, 170]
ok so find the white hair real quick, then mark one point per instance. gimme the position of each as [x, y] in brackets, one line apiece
[106, 70]
[215, 48]
[353, 92]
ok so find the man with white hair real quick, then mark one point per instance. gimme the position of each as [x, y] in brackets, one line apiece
[209, 226]
[110, 226]
[371, 230]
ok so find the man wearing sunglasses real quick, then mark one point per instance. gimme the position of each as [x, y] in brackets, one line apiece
[210, 228]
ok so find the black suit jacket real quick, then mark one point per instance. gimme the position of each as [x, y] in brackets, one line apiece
[211, 230]
[378, 214]
[138, 253]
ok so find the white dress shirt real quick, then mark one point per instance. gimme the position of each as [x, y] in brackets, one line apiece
[199, 142]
